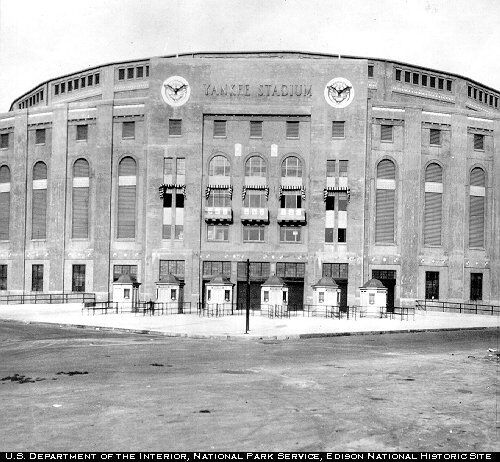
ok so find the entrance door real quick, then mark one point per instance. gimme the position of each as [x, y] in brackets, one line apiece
[432, 285]
[388, 279]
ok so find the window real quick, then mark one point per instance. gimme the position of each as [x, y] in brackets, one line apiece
[478, 142]
[433, 204]
[477, 207]
[118, 270]
[407, 76]
[175, 127]
[448, 85]
[3, 277]
[386, 133]
[128, 130]
[213, 268]
[56, 89]
[330, 168]
[338, 129]
[147, 71]
[39, 202]
[424, 80]
[90, 80]
[253, 233]
[432, 81]
[40, 136]
[173, 294]
[168, 166]
[130, 72]
[370, 70]
[83, 82]
[469, 91]
[336, 270]
[80, 197]
[476, 286]
[330, 202]
[329, 235]
[290, 234]
[321, 297]
[121, 74]
[97, 78]
[70, 85]
[291, 167]
[219, 198]
[440, 84]
[219, 128]
[343, 164]
[432, 285]
[291, 201]
[434, 137]
[4, 202]
[139, 72]
[82, 132]
[342, 235]
[255, 129]
[218, 233]
[63, 87]
[255, 198]
[37, 278]
[371, 299]
[398, 75]
[342, 202]
[219, 166]
[292, 130]
[385, 202]
[259, 271]
[174, 267]
[415, 78]
[4, 141]
[290, 270]
[180, 164]
[255, 166]
[76, 83]
[179, 232]
[266, 295]
[127, 181]
[78, 278]
[126, 294]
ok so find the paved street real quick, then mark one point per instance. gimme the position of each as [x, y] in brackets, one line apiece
[424, 391]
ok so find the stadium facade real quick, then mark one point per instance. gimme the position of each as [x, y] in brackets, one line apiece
[307, 165]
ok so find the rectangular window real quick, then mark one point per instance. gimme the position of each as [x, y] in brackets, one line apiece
[70, 85]
[56, 89]
[475, 93]
[329, 235]
[4, 141]
[90, 80]
[219, 128]
[139, 72]
[290, 234]
[343, 167]
[121, 74]
[259, 271]
[480, 95]
[167, 200]
[476, 286]
[179, 232]
[3, 277]
[179, 201]
[448, 85]
[290, 270]
[78, 278]
[126, 294]
[252, 233]
[130, 72]
[330, 168]
[330, 202]
[82, 132]
[424, 80]
[338, 129]
[435, 137]
[398, 75]
[386, 133]
[440, 84]
[415, 78]
[174, 267]
[175, 127]
[342, 202]
[219, 198]
[97, 78]
[370, 70]
[255, 198]
[180, 163]
[407, 76]
[40, 136]
[432, 81]
[63, 87]
[336, 270]
[83, 82]
[212, 268]
[118, 270]
[432, 285]
[218, 233]
[76, 84]
[469, 91]
[168, 166]
[147, 71]
[291, 201]
[166, 232]
[292, 130]
[255, 129]
[37, 278]
[342, 235]
[128, 130]
[478, 142]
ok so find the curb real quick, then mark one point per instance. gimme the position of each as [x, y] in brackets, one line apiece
[243, 337]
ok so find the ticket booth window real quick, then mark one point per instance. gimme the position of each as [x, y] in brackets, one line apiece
[227, 295]
[126, 294]
[266, 295]
[209, 294]
[371, 299]
[321, 297]
[173, 294]
[284, 296]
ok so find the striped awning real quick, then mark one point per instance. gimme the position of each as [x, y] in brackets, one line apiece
[302, 190]
[209, 188]
[164, 187]
[334, 189]
[256, 187]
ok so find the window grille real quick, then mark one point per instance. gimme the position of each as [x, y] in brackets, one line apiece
[175, 127]
[338, 129]
[255, 129]
[219, 128]
[292, 129]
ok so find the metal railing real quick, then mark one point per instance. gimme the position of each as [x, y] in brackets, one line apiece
[23, 299]
[144, 308]
[457, 307]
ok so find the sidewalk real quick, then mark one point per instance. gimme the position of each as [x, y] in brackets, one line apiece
[232, 327]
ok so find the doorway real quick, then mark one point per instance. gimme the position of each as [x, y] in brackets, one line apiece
[388, 279]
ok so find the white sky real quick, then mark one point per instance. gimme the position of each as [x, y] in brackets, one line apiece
[40, 40]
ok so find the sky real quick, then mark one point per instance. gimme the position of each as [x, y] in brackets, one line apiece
[40, 40]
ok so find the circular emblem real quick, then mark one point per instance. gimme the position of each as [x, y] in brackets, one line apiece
[339, 92]
[175, 91]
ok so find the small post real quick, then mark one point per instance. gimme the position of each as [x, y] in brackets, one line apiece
[247, 314]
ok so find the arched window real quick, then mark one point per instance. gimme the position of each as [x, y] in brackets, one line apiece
[39, 202]
[80, 218]
[385, 201]
[433, 207]
[219, 166]
[477, 195]
[255, 166]
[291, 167]
[4, 202]
[127, 181]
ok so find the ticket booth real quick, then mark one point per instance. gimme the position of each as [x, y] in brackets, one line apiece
[168, 291]
[326, 293]
[373, 299]
[126, 292]
[274, 294]
[219, 292]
